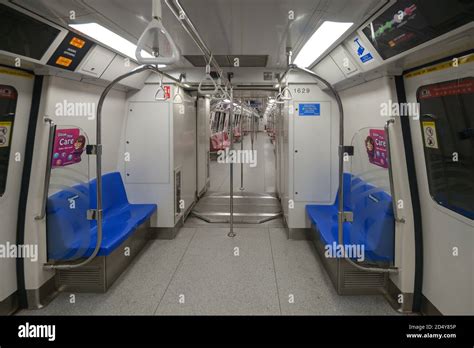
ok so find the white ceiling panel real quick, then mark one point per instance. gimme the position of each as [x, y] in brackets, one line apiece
[229, 27]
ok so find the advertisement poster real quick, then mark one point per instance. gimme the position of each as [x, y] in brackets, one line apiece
[376, 146]
[69, 146]
[409, 23]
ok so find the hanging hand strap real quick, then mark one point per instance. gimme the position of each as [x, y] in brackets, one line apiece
[160, 90]
[208, 77]
[152, 31]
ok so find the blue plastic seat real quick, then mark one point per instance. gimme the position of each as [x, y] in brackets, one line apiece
[72, 236]
[373, 225]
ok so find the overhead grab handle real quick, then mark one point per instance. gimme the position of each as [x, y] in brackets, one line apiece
[177, 99]
[208, 77]
[213, 83]
[151, 35]
[284, 95]
[222, 93]
[160, 94]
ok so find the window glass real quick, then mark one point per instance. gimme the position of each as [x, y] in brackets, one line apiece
[8, 100]
[447, 124]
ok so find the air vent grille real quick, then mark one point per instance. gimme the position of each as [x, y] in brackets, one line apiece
[227, 61]
[354, 279]
[81, 279]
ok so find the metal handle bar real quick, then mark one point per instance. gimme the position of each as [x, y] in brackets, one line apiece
[390, 172]
[47, 176]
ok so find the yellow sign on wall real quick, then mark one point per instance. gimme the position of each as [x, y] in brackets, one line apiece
[455, 62]
[429, 133]
[5, 130]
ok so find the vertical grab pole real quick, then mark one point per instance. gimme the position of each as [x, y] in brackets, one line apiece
[231, 123]
[252, 130]
[390, 172]
[47, 176]
[241, 148]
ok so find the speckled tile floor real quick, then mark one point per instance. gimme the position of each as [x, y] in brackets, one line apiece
[204, 272]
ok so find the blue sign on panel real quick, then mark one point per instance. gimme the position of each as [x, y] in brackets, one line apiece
[366, 58]
[310, 109]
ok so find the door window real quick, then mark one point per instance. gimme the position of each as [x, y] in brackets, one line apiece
[8, 101]
[447, 124]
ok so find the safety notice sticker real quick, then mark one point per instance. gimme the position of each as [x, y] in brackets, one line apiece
[312, 109]
[429, 132]
[5, 129]
[362, 52]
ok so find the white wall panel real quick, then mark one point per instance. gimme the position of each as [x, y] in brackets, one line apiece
[148, 144]
[312, 155]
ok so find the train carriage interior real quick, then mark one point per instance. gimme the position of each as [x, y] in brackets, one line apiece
[237, 157]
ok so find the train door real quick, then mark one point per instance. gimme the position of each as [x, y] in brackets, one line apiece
[443, 142]
[16, 89]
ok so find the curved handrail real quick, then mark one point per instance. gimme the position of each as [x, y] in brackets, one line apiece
[99, 168]
[341, 213]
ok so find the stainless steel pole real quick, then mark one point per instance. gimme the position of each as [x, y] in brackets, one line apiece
[252, 132]
[241, 148]
[390, 172]
[231, 122]
[47, 176]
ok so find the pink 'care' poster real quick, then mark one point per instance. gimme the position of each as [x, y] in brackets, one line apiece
[68, 147]
[376, 146]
